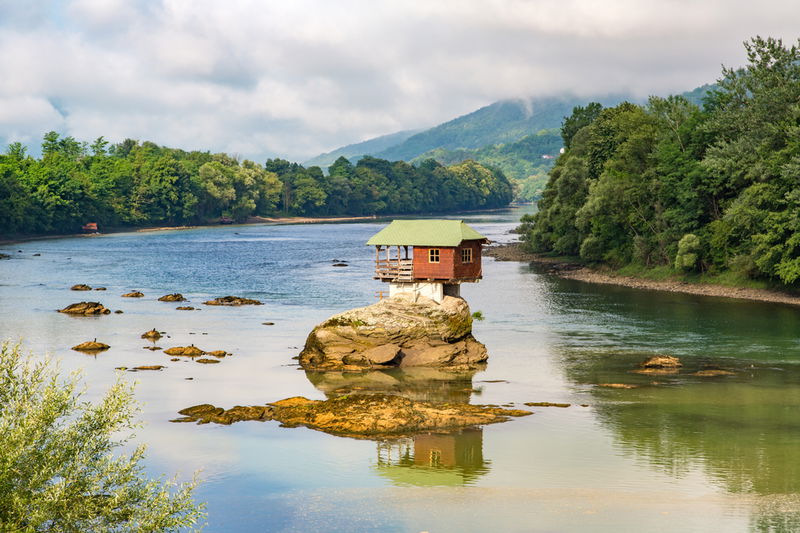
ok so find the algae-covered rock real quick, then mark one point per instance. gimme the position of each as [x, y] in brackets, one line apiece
[175, 297]
[233, 300]
[207, 361]
[91, 346]
[80, 287]
[85, 308]
[400, 331]
[371, 416]
[184, 308]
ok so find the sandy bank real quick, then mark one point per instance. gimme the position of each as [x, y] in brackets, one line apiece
[567, 270]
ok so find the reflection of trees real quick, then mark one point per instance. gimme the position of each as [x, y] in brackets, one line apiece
[426, 459]
[415, 383]
[429, 459]
[743, 431]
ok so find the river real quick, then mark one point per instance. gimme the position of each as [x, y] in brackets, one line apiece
[677, 453]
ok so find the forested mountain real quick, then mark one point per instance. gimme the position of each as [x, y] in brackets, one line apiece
[683, 188]
[501, 122]
[526, 161]
[354, 151]
[131, 184]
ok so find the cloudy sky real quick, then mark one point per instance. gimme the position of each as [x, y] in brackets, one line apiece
[293, 78]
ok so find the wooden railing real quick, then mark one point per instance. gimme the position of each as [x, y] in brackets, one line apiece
[394, 269]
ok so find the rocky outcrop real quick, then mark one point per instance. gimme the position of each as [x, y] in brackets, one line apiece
[80, 287]
[400, 331]
[85, 308]
[233, 300]
[371, 416]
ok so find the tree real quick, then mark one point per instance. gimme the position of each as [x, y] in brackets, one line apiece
[58, 471]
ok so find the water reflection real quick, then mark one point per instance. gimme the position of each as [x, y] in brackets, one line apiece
[433, 459]
[427, 459]
[415, 383]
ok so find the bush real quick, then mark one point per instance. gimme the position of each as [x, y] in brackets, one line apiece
[688, 252]
[57, 469]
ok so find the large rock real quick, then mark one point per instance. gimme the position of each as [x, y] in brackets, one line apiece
[399, 331]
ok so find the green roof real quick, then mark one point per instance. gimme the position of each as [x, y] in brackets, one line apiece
[425, 233]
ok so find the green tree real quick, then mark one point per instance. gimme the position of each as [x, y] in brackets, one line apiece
[58, 467]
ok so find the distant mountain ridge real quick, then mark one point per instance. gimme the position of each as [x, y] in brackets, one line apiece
[356, 150]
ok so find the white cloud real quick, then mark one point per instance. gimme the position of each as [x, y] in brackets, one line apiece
[266, 78]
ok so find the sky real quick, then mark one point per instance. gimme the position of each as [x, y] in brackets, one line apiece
[294, 78]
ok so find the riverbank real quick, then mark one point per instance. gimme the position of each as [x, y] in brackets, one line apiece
[250, 220]
[567, 269]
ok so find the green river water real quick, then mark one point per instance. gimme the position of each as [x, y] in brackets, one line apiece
[677, 453]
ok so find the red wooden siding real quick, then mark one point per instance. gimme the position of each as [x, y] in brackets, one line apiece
[449, 266]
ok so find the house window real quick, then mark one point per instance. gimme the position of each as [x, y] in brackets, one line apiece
[466, 255]
[433, 255]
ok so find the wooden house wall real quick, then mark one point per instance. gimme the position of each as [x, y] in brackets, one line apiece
[449, 265]
[444, 269]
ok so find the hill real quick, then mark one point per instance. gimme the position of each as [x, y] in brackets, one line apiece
[356, 150]
[501, 122]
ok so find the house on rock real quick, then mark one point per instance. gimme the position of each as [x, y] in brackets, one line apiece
[430, 258]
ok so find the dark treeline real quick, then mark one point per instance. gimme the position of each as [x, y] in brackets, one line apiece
[141, 184]
[713, 189]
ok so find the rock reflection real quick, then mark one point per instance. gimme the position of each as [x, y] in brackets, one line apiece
[414, 383]
[426, 459]
[433, 459]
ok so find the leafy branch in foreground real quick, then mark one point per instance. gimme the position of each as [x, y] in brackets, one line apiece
[57, 467]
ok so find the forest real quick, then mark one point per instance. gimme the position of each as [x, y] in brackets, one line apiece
[133, 184]
[711, 190]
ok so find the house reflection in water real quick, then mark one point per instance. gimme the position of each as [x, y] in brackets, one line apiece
[433, 459]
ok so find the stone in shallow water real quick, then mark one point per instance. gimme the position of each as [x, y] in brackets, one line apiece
[134, 294]
[372, 416]
[175, 297]
[153, 334]
[85, 308]
[91, 346]
[80, 287]
[190, 351]
[233, 300]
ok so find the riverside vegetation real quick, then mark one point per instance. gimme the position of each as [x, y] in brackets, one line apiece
[141, 184]
[672, 188]
[58, 469]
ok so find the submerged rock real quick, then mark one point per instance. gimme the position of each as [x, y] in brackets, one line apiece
[153, 335]
[85, 308]
[99, 288]
[712, 372]
[80, 287]
[400, 331]
[91, 346]
[547, 404]
[175, 297]
[374, 416]
[184, 308]
[207, 361]
[134, 294]
[659, 364]
[233, 300]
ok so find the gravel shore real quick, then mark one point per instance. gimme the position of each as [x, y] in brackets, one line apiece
[564, 269]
